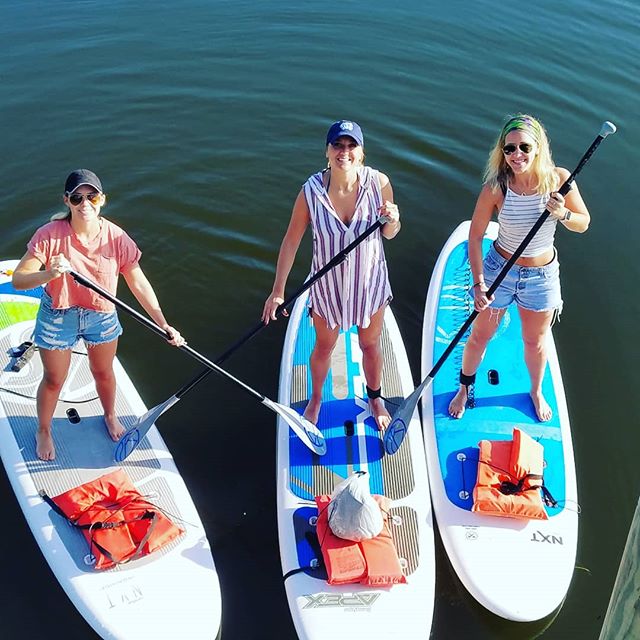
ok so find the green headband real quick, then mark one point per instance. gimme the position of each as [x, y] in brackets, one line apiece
[523, 123]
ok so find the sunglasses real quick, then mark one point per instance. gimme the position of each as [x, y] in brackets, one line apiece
[525, 147]
[77, 198]
[344, 146]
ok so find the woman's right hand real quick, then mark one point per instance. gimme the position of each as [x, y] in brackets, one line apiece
[58, 265]
[480, 299]
[271, 306]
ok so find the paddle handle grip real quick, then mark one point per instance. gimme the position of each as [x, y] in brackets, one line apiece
[85, 282]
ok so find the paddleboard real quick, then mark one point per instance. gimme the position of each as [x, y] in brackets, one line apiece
[320, 610]
[172, 593]
[518, 569]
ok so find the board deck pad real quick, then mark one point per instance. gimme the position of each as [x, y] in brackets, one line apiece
[353, 443]
[131, 600]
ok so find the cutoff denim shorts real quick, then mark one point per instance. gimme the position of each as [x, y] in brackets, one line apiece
[62, 328]
[532, 288]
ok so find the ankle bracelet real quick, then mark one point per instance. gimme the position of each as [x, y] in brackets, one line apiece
[372, 394]
[467, 380]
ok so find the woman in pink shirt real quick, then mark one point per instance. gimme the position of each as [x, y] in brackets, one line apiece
[82, 240]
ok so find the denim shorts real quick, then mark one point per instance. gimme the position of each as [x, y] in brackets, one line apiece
[62, 328]
[532, 288]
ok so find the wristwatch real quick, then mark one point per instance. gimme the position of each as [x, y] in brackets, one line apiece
[567, 215]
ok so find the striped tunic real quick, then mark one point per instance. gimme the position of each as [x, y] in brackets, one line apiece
[355, 289]
[516, 217]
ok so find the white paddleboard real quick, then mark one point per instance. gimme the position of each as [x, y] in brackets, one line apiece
[518, 569]
[319, 610]
[172, 593]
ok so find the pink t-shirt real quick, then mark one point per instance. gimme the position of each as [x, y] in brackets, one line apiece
[103, 259]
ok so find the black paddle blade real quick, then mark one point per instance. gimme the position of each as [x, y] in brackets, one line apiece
[129, 441]
[138, 430]
[397, 430]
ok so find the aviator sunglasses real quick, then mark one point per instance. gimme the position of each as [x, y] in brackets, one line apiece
[76, 198]
[525, 147]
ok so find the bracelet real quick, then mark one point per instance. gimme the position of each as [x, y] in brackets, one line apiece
[477, 283]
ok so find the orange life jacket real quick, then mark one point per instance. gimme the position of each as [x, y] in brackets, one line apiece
[118, 522]
[510, 478]
[373, 562]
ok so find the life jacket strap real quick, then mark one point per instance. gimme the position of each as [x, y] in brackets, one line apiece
[510, 488]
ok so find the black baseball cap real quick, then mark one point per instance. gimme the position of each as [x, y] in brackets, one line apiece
[79, 177]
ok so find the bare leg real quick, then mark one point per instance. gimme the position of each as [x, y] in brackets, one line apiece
[535, 325]
[101, 363]
[369, 340]
[320, 362]
[55, 363]
[483, 329]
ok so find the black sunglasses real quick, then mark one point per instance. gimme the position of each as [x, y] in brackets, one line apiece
[76, 198]
[525, 147]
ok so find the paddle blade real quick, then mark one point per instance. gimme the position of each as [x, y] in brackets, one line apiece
[138, 430]
[397, 430]
[310, 435]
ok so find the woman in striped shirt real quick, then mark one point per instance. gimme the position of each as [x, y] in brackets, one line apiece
[520, 182]
[340, 203]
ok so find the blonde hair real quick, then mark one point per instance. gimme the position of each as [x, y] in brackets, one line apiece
[61, 215]
[498, 172]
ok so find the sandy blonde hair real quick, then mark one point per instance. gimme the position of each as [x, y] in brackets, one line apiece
[61, 215]
[498, 172]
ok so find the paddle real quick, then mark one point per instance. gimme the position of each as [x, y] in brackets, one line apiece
[141, 425]
[397, 430]
[310, 435]
[334, 262]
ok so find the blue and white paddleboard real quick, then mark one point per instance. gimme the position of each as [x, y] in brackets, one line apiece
[172, 593]
[319, 610]
[518, 569]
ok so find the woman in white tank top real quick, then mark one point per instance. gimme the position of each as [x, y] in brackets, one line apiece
[520, 181]
[340, 203]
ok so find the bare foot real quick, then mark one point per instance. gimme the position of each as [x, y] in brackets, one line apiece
[379, 413]
[115, 429]
[45, 449]
[543, 410]
[458, 405]
[312, 411]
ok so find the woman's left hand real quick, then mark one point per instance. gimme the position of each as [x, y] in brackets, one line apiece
[390, 211]
[176, 339]
[556, 206]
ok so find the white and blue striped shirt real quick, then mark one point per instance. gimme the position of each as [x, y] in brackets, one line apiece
[516, 217]
[355, 289]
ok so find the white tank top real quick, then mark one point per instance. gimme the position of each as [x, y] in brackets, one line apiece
[516, 217]
[355, 289]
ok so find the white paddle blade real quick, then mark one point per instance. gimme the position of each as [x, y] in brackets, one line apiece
[134, 435]
[310, 435]
[397, 430]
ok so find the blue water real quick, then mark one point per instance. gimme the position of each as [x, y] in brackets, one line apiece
[203, 118]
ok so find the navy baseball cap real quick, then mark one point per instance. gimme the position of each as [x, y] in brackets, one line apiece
[79, 177]
[345, 128]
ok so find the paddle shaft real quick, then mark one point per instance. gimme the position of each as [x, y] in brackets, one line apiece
[161, 332]
[334, 262]
[564, 189]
